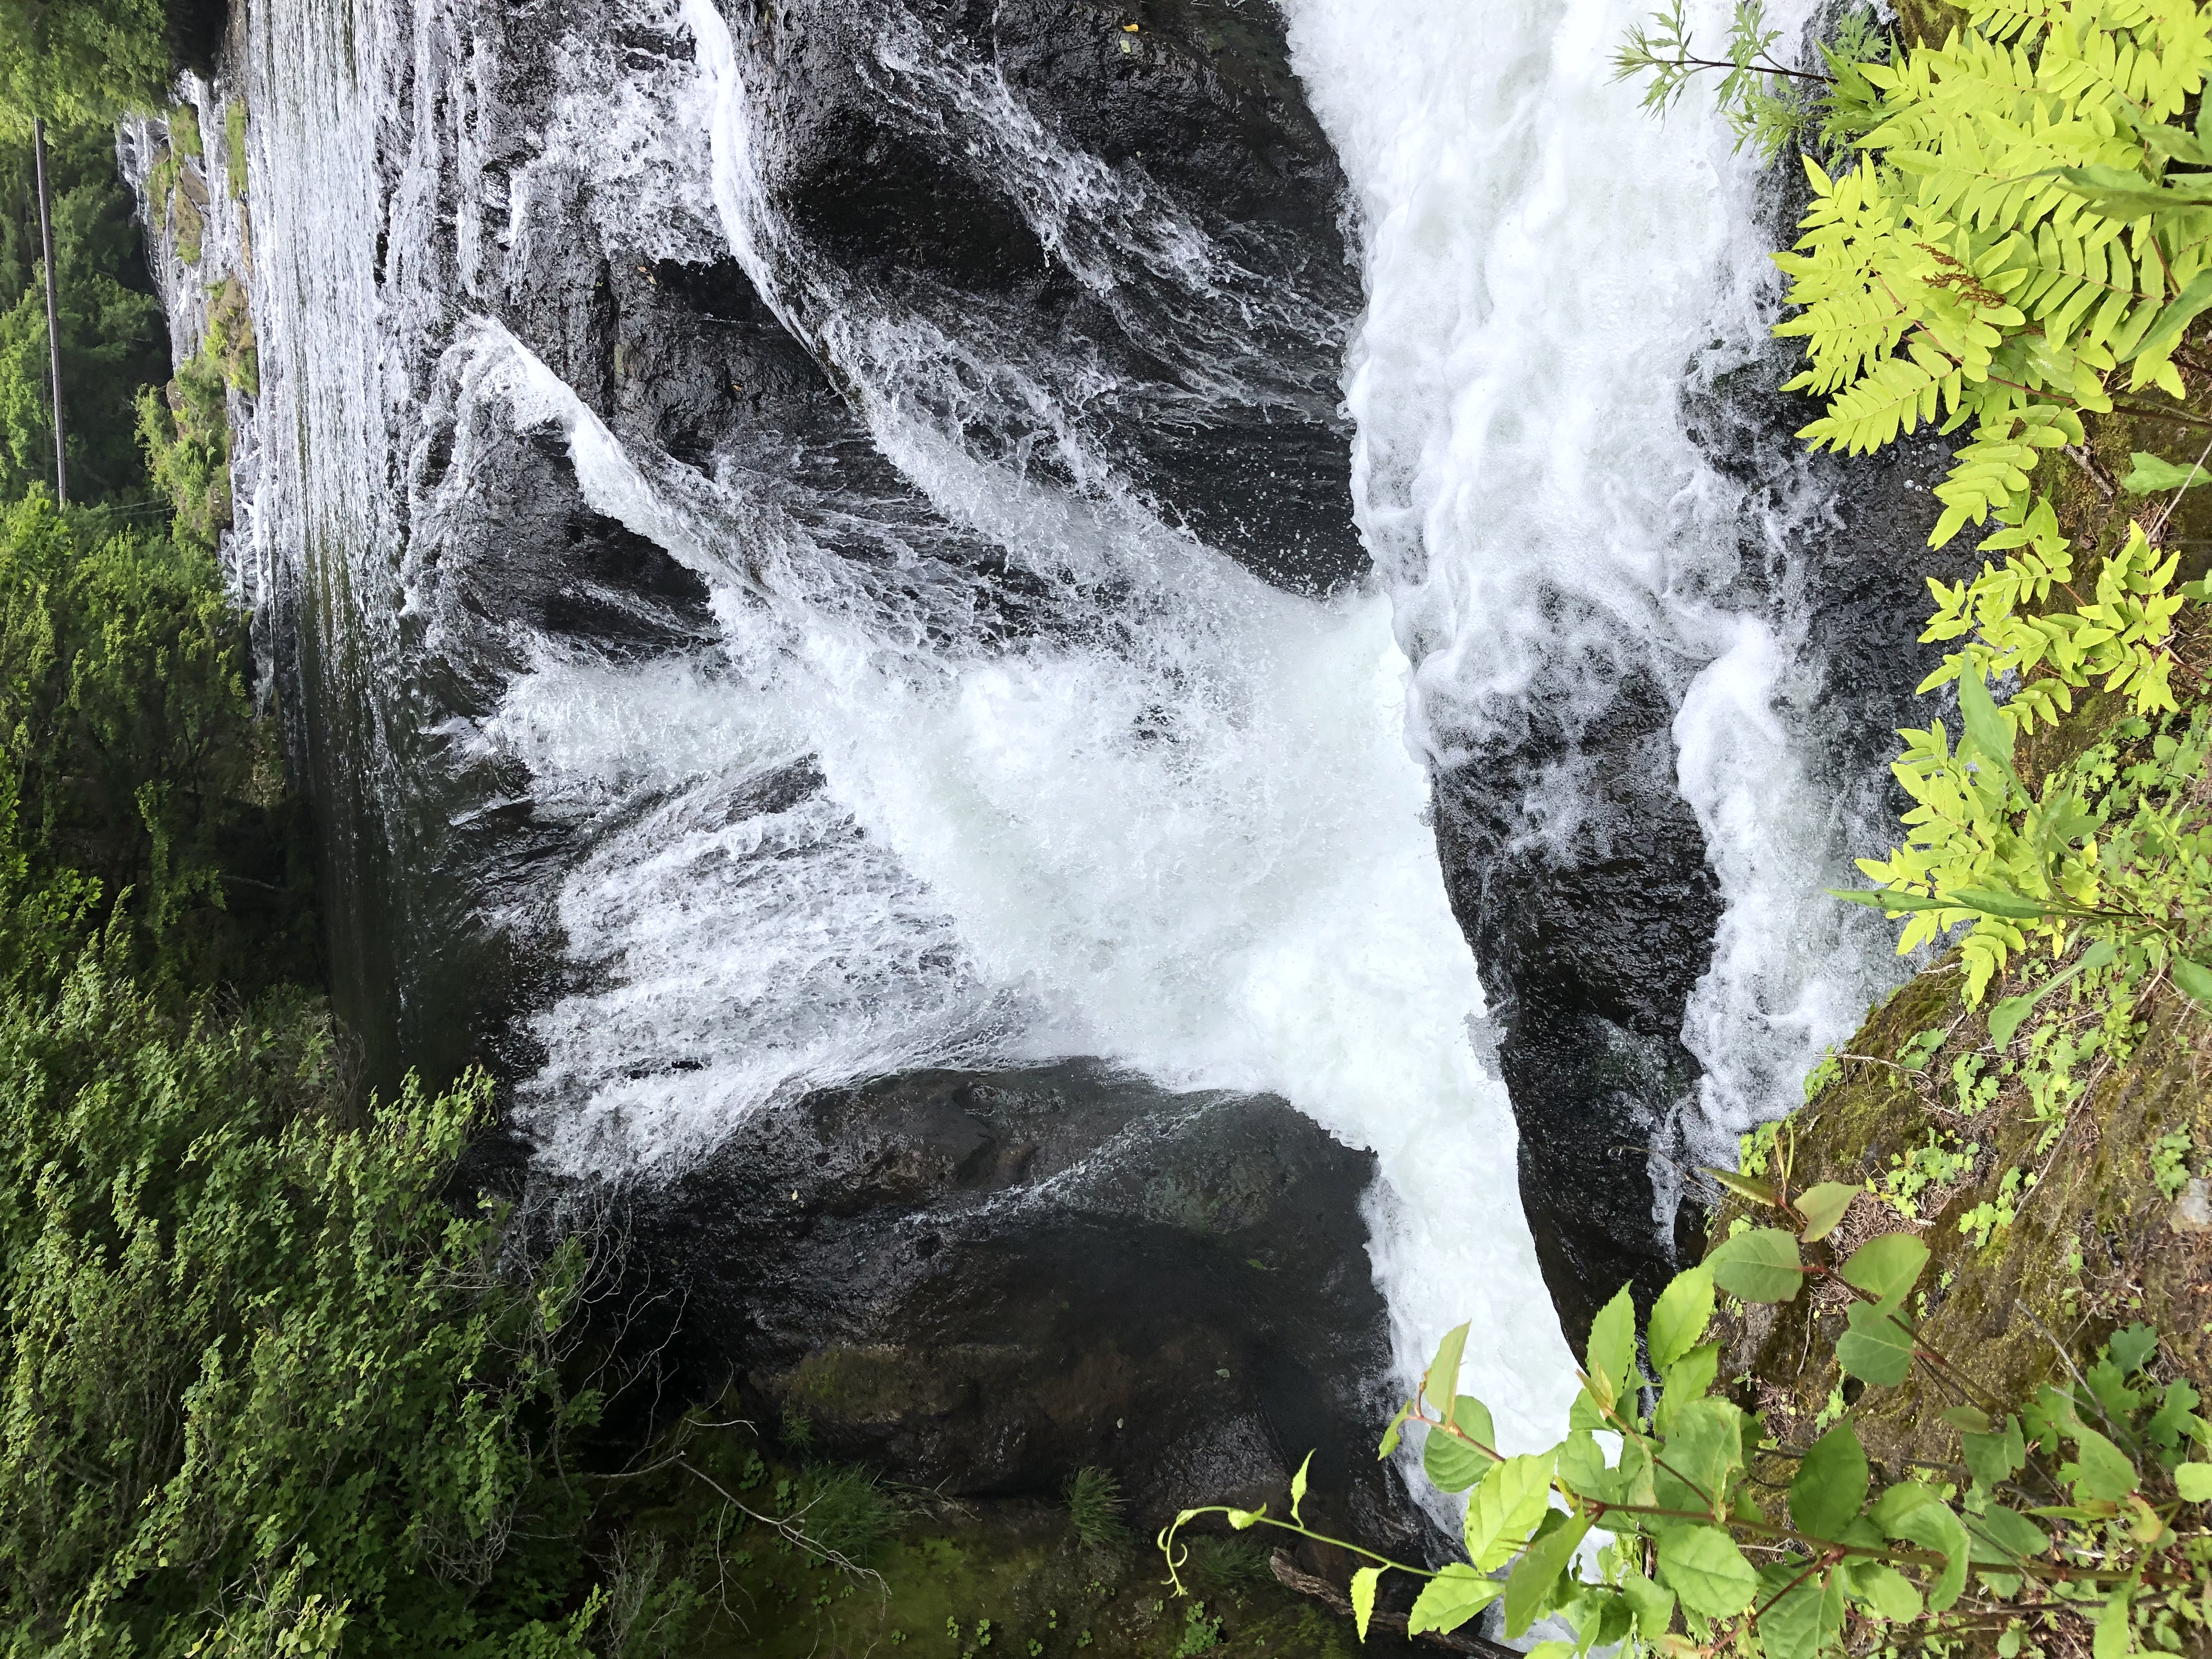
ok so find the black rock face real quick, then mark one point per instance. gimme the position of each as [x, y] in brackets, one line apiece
[986, 1281]
[1590, 943]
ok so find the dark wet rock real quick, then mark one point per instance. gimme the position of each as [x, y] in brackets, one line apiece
[1590, 943]
[984, 1281]
[1589, 946]
[1221, 405]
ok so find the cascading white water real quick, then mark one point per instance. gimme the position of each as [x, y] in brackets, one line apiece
[1179, 825]
[1546, 266]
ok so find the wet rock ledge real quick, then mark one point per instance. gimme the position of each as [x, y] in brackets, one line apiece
[980, 1282]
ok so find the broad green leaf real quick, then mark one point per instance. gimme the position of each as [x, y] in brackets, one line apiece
[1761, 1265]
[1679, 1318]
[1797, 1619]
[2115, 1638]
[1994, 1459]
[1972, 1419]
[1451, 1598]
[1298, 1485]
[1886, 1590]
[1887, 1265]
[2003, 1537]
[2100, 1469]
[2195, 980]
[1653, 1605]
[1450, 1463]
[2149, 476]
[1390, 1435]
[1529, 1585]
[1934, 1526]
[1241, 1519]
[1986, 729]
[1823, 1206]
[1441, 1384]
[1689, 1378]
[1505, 1508]
[1582, 1466]
[1877, 1348]
[1703, 1565]
[1705, 1448]
[1363, 1597]
[1612, 1340]
[2194, 1482]
[1831, 1486]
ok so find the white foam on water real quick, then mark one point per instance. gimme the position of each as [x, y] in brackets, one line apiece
[1544, 263]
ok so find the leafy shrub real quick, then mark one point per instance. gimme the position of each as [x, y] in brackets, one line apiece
[1093, 1506]
[134, 782]
[845, 1513]
[265, 1391]
[2086, 1505]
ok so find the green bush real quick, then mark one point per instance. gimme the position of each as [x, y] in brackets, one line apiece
[1093, 1506]
[265, 1391]
[79, 61]
[135, 786]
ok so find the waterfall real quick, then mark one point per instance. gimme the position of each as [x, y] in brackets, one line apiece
[1551, 271]
[946, 741]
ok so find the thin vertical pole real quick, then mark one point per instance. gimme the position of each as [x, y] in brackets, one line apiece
[53, 321]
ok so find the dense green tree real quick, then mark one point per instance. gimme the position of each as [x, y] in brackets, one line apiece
[80, 62]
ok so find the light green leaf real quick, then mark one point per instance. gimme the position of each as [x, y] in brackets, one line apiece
[1823, 1206]
[1831, 1486]
[1877, 1348]
[1688, 1379]
[1704, 1446]
[2195, 980]
[1505, 1508]
[1654, 1606]
[2101, 1470]
[2116, 1637]
[1298, 1485]
[2003, 1537]
[1889, 898]
[2194, 1482]
[1529, 1585]
[1935, 1526]
[1441, 1384]
[1761, 1265]
[1450, 1463]
[1743, 1185]
[1451, 1598]
[1612, 1340]
[1241, 1519]
[1703, 1565]
[2151, 476]
[1887, 1265]
[1994, 1458]
[1986, 729]
[1363, 1597]
[1679, 1318]
[1390, 1435]
[1887, 1592]
[1797, 1617]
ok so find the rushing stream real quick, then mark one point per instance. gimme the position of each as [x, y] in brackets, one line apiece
[1026, 698]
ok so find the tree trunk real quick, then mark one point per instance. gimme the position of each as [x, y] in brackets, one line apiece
[53, 322]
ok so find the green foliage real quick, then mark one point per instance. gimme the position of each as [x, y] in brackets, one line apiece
[1095, 1505]
[137, 791]
[1769, 105]
[265, 1391]
[844, 1512]
[79, 61]
[2086, 1506]
[113, 336]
